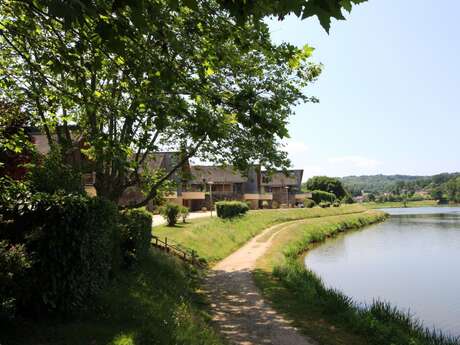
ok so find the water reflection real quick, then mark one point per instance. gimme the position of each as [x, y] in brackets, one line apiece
[411, 260]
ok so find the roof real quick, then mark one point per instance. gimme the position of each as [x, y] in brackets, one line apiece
[162, 160]
[216, 174]
[280, 179]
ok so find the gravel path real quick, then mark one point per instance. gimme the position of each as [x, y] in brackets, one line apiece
[238, 308]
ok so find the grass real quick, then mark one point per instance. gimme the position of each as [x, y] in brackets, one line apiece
[214, 239]
[154, 304]
[327, 315]
[394, 204]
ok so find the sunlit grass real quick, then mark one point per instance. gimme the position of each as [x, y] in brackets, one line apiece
[214, 239]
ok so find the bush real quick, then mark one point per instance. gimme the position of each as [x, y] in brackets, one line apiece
[230, 209]
[336, 204]
[135, 235]
[318, 196]
[309, 203]
[14, 265]
[324, 204]
[68, 240]
[170, 213]
[184, 213]
[265, 204]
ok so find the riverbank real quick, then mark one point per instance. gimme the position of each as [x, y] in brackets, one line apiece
[400, 204]
[327, 315]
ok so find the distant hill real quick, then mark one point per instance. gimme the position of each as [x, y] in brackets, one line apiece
[379, 184]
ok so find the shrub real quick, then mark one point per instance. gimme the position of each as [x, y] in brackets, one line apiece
[14, 265]
[184, 213]
[70, 240]
[318, 196]
[135, 235]
[230, 209]
[309, 203]
[275, 204]
[336, 204]
[170, 213]
[265, 204]
[324, 204]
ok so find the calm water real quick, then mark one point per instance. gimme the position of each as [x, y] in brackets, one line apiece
[412, 260]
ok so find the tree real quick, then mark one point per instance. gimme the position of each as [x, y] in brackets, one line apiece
[327, 184]
[172, 82]
[134, 77]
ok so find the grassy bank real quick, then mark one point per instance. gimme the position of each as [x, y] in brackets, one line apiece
[214, 239]
[394, 204]
[325, 314]
[151, 305]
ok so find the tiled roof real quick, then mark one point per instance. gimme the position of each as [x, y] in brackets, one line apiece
[280, 179]
[216, 174]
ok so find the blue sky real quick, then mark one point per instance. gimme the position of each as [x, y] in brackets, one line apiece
[389, 93]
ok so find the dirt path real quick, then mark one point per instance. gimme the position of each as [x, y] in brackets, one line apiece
[238, 308]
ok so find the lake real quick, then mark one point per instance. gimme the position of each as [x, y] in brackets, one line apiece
[412, 260]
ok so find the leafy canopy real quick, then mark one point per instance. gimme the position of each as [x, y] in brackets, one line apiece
[132, 77]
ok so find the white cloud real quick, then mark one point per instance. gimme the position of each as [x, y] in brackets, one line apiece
[356, 161]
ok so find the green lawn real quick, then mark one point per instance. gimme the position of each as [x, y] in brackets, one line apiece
[214, 239]
[155, 304]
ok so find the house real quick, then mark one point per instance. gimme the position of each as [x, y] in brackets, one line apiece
[285, 187]
[199, 186]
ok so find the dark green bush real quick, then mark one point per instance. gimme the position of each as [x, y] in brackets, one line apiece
[230, 209]
[14, 266]
[309, 203]
[135, 235]
[318, 196]
[170, 213]
[68, 240]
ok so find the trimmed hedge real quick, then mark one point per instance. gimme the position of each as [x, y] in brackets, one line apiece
[318, 196]
[230, 209]
[135, 235]
[309, 203]
[67, 243]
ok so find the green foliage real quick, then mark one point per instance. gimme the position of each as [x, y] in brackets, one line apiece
[231, 209]
[154, 303]
[52, 174]
[347, 199]
[112, 69]
[184, 213]
[16, 149]
[326, 184]
[14, 267]
[170, 213]
[324, 204]
[309, 203]
[135, 235]
[69, 242]
[319, 196]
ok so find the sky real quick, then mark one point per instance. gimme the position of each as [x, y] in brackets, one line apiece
[389, 92]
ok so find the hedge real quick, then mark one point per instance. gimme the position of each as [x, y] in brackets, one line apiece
[135, 235]
[66, 243]
[230, 209]
[318, 196]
